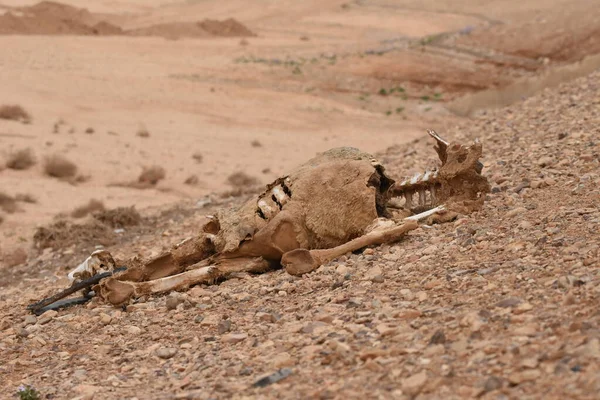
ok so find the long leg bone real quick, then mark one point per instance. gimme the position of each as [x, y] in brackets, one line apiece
[41, 306]
[118, 292]
[302, 261]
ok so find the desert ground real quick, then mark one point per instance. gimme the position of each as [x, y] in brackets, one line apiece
[182, 108]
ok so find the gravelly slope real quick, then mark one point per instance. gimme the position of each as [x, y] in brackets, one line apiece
[500, 304]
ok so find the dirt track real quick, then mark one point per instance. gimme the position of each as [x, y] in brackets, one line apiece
[500, 303]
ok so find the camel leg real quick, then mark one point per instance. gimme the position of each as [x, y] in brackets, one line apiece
[118, 292]
[301, 261]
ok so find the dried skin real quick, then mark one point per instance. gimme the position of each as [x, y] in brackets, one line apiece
[324, 209]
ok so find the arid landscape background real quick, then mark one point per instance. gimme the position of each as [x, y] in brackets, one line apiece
[179, 108]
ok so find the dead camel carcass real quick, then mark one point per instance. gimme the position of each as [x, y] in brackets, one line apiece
[338, 202]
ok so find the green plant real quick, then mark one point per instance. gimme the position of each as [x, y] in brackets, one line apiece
[26, 392]
[399, 110]
[388, 112]
[382, 92]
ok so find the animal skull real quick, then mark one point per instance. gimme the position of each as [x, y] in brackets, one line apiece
[335, 203]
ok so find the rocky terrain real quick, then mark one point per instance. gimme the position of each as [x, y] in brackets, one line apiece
[123, 123]
[495, 305]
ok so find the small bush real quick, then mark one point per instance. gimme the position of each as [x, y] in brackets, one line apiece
[143, 132]
[198, 157]
[92, 206]
[25, 198]
[22, 159]
[14, 113]
[151, 175]
[8, 203]
[15, 257]
[26, 392]
[119, 217]
[192, 180]
[58, 166]
[241, 179]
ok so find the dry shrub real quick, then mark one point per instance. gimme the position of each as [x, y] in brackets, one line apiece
[151, 175]
[8, 203]
[22, 159]
[198, 157]
[58, 166]
[62, 234]
[89, 131]
[255, 143]
[16, 257]
[25, 198]
[192, 180]
[1, 219]
[15, 113]
[242, 179]
[119, 217]
[92, 206]
[143, 132]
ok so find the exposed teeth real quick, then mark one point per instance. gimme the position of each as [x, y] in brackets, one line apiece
[408, 197]
[273, 201]
[267, 210]
[280, 195]
[422, 197]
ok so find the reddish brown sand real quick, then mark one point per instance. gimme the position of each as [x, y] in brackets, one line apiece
[512, 289]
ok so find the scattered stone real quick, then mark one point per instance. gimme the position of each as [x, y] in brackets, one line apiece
[282, 360]
[492, 383]
[516, 211]
[508, 302]
[516, 378]
[234, 338]
[438, 338]
[133, 330]
[47, 317]
[273, 378]
[166, 352]
[413, 385]
[30, 320]
[374, 274]
[224, 326]
[173, 301]
[105, 319]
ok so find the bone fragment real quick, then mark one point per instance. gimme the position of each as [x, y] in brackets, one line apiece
[302, 261]
[98, 262]
[425, 214]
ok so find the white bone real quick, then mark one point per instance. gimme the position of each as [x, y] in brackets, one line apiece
[178, 281]
[425, 214]
[266, 209]
[426, 176]
[88, 268]
[415, 178]
[280, 195]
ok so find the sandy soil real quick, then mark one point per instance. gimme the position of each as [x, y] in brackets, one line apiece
[317, 75]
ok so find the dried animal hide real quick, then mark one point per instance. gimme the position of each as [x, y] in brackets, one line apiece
[335, 203]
